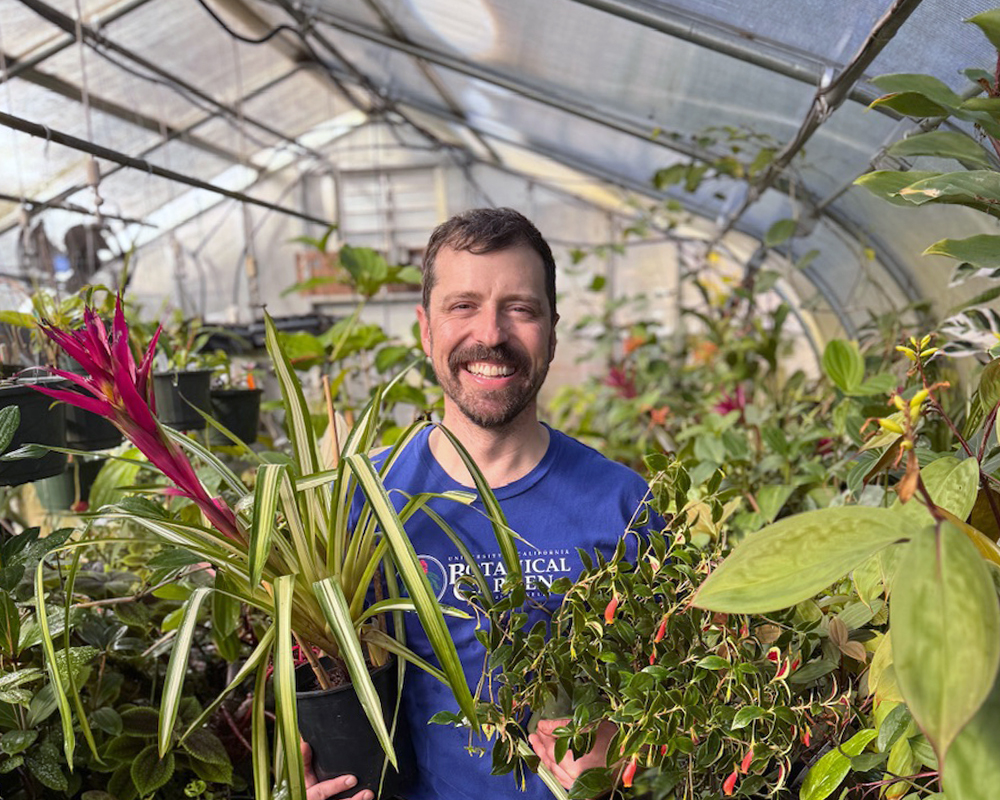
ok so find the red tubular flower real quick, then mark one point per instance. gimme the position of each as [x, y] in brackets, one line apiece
[662, 630]
[121, 391]
[747, 760]
[629, 773]
[609, 612]
[652, 658]
[806, 737]
[730, 783]
[663, 749]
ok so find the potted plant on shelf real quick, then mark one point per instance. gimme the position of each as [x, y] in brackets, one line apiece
[289, 548]
[30, 419]
[236, 407]
[182, 384]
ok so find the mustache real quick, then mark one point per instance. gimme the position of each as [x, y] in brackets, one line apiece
[502, 353]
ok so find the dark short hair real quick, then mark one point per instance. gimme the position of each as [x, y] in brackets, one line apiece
[488, 230]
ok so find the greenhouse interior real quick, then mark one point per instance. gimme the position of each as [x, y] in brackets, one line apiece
[499, 398]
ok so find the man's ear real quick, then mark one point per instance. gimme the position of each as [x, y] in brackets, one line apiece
[425, 331]
[552, 339]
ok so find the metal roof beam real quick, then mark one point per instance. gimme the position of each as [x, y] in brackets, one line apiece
[83, 146]
[71, 190]
[98, 40]
[114, 13]
[73, 92]
[727, 40]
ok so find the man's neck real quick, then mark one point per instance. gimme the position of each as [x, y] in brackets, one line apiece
[503, 455]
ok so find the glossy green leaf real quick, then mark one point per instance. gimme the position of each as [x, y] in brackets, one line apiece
[843, 363]
[10, 625]
[258, 735]
[989, 23]
[945, 632]
[56, 680]
[745, 716]
[797, 557]
[829, 772]
[911, 104]
[338, 616]
[981, 251]
[972, 766]
[952, 484]
[780, 232]
[887, 184]
[942, 144]
[177, 667]
[978, 189]
[933, 89]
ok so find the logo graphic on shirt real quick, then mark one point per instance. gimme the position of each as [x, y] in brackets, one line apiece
[537, 567]
[436, 574]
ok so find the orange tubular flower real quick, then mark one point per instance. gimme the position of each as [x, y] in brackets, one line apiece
[662, 630]
[730, 783]
[609, 612]
[747, 760]
[629, 773]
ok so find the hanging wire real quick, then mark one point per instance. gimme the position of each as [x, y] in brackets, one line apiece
[24, 219]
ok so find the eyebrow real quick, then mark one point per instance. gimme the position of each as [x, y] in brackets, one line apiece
[512, 298]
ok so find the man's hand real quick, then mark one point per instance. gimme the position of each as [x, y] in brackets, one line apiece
[543, 742]
[320, 791]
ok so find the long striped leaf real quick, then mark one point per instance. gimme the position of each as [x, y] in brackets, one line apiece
[501, 530]
[258, 737]
[258, 658]
[81, 713]
[338, 616]
[62, 701]
[204, 541]
[287, 723]
[391, 645]
[265, 505]
[413, 576]
[401, 604]
[177, 666]
[297, 419]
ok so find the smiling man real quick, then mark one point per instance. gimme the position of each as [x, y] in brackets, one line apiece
[488, 324]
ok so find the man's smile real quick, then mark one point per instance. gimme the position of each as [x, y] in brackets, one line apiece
[487, 369]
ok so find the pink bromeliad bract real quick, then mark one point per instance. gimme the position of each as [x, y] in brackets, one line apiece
[120, 390]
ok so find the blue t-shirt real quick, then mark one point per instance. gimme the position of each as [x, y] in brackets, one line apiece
[574, 497]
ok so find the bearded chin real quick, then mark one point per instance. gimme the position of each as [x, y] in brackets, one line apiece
[497, 409]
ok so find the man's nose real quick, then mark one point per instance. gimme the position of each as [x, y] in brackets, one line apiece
[491, 327]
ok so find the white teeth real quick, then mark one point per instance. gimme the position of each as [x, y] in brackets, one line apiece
[486, 370]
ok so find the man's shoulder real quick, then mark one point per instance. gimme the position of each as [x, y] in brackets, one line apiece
[589, 460]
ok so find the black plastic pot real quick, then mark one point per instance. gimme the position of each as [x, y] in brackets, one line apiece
[334, 724]
[43, 421]
[177, 392]
[59, 492]
[239, 411]
[86, 430]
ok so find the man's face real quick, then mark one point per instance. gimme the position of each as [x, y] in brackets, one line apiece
[489, 332]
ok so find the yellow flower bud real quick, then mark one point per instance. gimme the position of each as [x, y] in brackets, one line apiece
[906, 444]
[913, 341]
[890, 425]
[925, 341]
[906, 351]
[898, 402]
[914, 415]
[917, 400]
[928, 352]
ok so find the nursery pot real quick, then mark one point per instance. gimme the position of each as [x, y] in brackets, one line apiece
[176, 393]
[239, 411]
[334, 724]
[86, 430]
[59, 492]
[43, 421]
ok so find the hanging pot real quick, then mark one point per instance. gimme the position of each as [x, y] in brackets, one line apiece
[239, 411]
[43, 421]
[176, 393]
[335, 726]
[70, 489]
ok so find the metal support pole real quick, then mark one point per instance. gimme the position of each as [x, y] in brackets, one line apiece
[75, 143]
